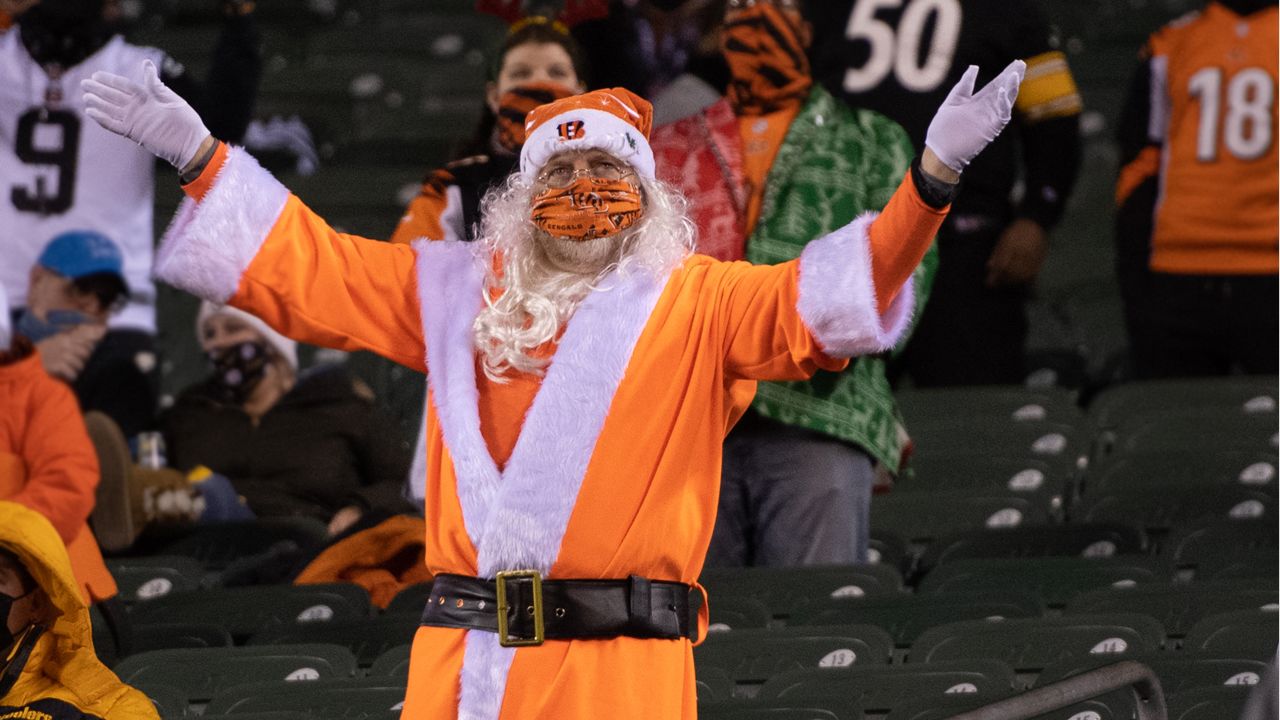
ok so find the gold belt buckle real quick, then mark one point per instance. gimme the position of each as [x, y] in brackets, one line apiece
[504, 627]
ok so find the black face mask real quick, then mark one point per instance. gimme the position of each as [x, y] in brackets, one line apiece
[238, 369]
[63, 31]
[6, 606]
[1246, 7]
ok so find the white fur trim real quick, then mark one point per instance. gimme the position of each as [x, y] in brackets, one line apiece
[837, 296]
[209, 244]
[517, 519]
[600, 129]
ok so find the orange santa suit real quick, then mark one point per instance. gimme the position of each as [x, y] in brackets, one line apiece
[606, 467]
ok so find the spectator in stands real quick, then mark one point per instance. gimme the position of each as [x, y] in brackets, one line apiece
[1196, 222]
[76, 285]
[46, 460]
[49, 668]
[61, 174]
[767, 170]
[992, 247]
[585, 366]
[263, 440]
[538, 62]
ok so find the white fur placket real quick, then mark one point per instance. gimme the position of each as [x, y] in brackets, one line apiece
[516, 519]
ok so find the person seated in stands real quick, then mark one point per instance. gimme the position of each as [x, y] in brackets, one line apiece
[46, 460]
[48, 668]
[76, 285]
[262, 440]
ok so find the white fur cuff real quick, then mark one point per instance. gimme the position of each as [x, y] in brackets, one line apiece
[209, 244]
[837, 295]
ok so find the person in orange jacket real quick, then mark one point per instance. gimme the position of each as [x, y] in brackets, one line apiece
[584, 369]
[46, 460]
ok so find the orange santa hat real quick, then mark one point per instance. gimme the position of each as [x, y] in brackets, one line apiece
[615, 120]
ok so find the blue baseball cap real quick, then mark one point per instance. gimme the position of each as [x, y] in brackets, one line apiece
[81, 253]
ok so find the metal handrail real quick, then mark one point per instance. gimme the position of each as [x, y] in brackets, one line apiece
[1137, 677]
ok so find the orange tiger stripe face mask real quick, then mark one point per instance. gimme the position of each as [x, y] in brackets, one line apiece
[589, 208]
[768, 68]
[515, 104]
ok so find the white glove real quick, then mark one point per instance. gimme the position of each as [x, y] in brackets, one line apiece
[151, 115]
[966, 122]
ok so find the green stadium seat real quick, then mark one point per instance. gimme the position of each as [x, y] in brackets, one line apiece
[1211, 548]
[170, 702]
[349, 699]
[880, 688]
[923, 517]
[1045, 482]
[367, 638]
[1239, 633]
[410, 600]
[1030, 645]
[753, 656]
[173, 636]
[1179, 672]
[1166, 508]
[714, 685]
[281, 715]
[147, 578]
[246, 611]
[1197, 430]
[785, 590]
[1156, 472]
[905, 617]
[753, 712]
[1100, 709]
[1115, 406]
[734, 612]
[1013, 404]
[1209, 704]
[1177, 606]
[1055, 580]
[217, 546]
[888, 548]
[1086, 541]
[393, 663]
[1048, 440]
[200, 674]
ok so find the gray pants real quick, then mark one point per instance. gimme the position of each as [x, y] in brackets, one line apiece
[790, 496]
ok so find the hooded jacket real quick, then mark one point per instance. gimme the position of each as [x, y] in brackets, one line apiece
[48, 464]
[61, 677]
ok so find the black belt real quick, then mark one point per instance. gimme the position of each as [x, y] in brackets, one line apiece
[523, 609]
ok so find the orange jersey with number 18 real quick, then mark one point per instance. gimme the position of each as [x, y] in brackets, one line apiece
[1213, 95]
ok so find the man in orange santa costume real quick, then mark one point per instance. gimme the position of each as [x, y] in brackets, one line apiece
[584, 368]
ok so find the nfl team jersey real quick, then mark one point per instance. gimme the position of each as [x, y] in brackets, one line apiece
[61, 171]
[1212, 114]
[902, 57]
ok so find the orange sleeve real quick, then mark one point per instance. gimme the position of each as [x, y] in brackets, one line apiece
[424, 218]
[900, 237]
[198, 188]
[62, 467]
[323, 287]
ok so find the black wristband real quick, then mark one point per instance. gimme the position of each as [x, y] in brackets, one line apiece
[197, 169]
[935, 193]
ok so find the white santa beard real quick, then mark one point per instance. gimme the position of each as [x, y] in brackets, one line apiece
[580, 257]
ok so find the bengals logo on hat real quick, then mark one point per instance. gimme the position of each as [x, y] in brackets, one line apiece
[571, 130]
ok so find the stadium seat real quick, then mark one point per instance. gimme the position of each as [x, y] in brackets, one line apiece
[368, 638]
[1030, 645]
[1194, 430]
[1213, 548]
[281, 715]
[905, 617]
[805, 711]
[170, 702]
[923, 517]
[1239, 633]
[753, 656]
[1209, 704]
[349, 699]
[733, 612]
[245, 611]
[217, 546]
[1055, 580]
[888, 548]
[1160, 510]
[393, 663]
[1207, 471]
[147, 578]
[1045, 482]
[1012, 404]
[1243, 395]
[174, 636]
[714, 685]
[1100, 709]
[1087, 541]
[880, 688]
[785, 590]
[410, 600]
[1179, 672]
[1177, 606]
[200, 674]
[1048, 440]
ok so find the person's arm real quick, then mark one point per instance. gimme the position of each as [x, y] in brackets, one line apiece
[435, 213]
[250, 243]
[1141, 141]
[62, 467]
[226, 98]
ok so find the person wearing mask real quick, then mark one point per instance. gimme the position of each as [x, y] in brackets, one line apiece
[538, 62]
[260, 439]
[48, 667]
[585, 365]
[59, 173]
[774, 165]
[900, 58]
[1196, 238]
